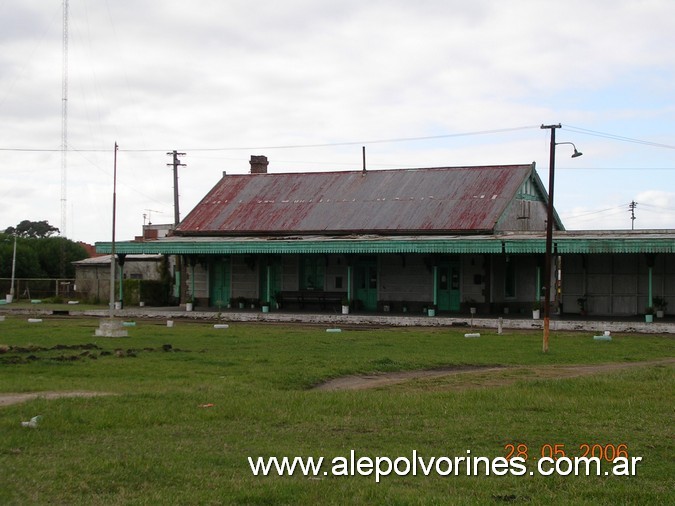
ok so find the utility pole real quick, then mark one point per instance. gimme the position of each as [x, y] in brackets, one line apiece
[180, 265]
[112, 327]
[175, 164]
[549, 236]
[631, 208]
[112, 248]
[549, 231]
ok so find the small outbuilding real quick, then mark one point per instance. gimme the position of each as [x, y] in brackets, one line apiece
[92, 275]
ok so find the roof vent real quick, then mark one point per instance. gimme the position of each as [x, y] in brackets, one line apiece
[259, 164]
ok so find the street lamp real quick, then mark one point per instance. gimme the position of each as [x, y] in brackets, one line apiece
[549, 231]
[576, 153]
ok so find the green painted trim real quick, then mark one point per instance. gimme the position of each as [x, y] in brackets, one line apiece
[299, 246]
[530, 198]
[431, 245]
[601, 245]
[176, 286]
[544, 197]
[616, 246]
[525, 246]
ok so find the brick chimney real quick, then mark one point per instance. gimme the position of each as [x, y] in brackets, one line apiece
[259, 164]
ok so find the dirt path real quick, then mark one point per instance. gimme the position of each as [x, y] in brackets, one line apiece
[7, 399]
[476, 376]
[484, 374]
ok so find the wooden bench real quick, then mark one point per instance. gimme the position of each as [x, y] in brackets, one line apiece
[320, 297]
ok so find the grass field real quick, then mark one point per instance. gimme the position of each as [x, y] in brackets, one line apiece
[154, 442]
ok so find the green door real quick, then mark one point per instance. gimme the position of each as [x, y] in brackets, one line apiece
[448, 286]
[270, 280]
[219, 282]
[365, 283]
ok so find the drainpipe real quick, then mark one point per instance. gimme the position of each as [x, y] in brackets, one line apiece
[436, 286]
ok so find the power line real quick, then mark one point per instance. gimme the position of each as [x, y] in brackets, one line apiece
[299, 146]
[133, 188]
[621, 138]
[593, 219]
[575, 216]
[614, 168]
[658, 207]
[580, 130]
[615, 211]
[377, 141]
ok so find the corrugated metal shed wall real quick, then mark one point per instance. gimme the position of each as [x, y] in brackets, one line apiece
[456, 199]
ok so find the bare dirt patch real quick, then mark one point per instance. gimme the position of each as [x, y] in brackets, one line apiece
[64, 353]
[7, 399]
[484, 376]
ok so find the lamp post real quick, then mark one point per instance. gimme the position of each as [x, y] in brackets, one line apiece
[112, 247]
[549, 231]
[11, 288]
[112, 327]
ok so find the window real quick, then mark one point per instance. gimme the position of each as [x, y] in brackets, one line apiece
[312, 268]
[528, 188]
[442, 278]
[524, 209]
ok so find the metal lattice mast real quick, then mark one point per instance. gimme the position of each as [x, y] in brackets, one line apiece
[64, 119]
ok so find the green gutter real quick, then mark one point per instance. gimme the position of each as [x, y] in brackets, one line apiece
[301, 246]
[440, 245]
[568, 245]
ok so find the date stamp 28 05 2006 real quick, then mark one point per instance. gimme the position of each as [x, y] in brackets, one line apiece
[562, 461]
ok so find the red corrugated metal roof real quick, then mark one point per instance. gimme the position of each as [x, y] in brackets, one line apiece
[434, 200]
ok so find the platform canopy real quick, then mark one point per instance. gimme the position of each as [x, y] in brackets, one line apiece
[589, 242]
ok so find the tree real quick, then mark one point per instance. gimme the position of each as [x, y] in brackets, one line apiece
[51, 249]
[27, 261]
[33, 229]
[39, 258]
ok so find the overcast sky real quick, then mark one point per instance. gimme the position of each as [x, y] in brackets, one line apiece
[443, 82]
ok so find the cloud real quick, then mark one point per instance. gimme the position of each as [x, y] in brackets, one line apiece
[237, 74]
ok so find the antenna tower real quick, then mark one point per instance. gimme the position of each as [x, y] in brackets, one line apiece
[64, 118]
